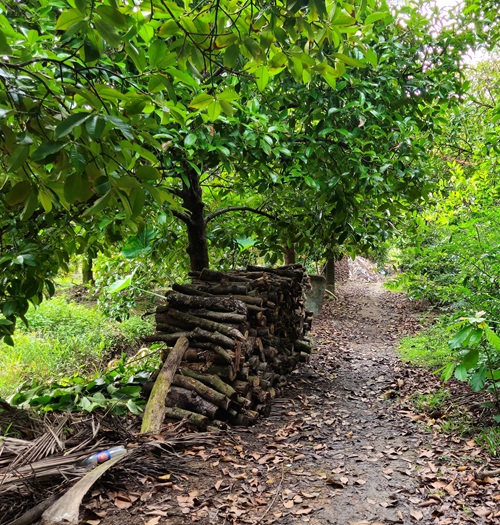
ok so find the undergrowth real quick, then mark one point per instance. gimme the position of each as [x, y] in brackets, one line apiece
[63, 339]
[429, 348]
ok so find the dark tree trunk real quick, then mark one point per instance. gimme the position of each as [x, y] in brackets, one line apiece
[330, 274]
[87, 272]
[192, 200]
[289, 255]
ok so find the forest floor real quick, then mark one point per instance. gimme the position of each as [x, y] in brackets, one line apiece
[342, 445]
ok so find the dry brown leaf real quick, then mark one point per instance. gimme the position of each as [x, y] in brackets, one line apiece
[334, 483]
[310, 495]
[122, 504]
[288, 504]
[302, 511]
[360, 481]
[153, 521]
[93, 522]
[217, 485]
[417, 514]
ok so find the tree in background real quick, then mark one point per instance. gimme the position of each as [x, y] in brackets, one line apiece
[115, 112]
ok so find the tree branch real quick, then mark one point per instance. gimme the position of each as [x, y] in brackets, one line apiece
[222, 211]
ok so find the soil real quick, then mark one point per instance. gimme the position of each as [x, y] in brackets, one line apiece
[341, 447]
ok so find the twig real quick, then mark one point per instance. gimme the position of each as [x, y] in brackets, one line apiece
[330, 293]
[273, 501]
[487, 473]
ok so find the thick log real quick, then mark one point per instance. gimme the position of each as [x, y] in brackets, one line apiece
[155, 407]
[198, 355]
[205, 324]
[245, 418]
[191, 418]
[211, 380]
[242, 387]
[214, 276]
[189, 290]
[220, 317]
[190, 400]
[219, 304]
[203, 390]
[197, 334]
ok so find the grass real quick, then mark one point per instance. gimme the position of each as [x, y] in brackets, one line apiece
[489, 440]
[63, 338]
[429, 348]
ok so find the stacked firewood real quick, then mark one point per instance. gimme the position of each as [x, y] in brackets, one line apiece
[246, 333]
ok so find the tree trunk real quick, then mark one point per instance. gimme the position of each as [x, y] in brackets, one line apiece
[192, 200]
[330, 274]
[87, 272]
[289, 255]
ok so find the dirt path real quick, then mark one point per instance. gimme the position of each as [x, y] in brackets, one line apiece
[338, 448]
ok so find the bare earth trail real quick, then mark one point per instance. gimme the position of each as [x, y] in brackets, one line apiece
[337, 449]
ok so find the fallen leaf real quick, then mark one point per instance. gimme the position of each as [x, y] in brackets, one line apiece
[153, 521]
[417, 514]
[122, 504]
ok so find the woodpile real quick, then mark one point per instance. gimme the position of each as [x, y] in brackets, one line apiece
[246, 334]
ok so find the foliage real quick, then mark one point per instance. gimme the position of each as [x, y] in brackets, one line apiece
[117, 391]
[63, 337]
[432, 402]
[489, 440]
[477, 358]
[429, 348]
[114, 114]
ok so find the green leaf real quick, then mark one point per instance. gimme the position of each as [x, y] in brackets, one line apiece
[137, 56]
[375, 17]
[262, 77]
[349, 60]
[112, 16]
[447, 371]
[190, 139]
[158, 50]
[493, 338]
[461, 373]
[67, 126]
[471, 359]
[147, 173]
[201, 101]
[95, 127]
[134, 407]
[120, 284]
[46, 150]
[19, 193]
[98, 205]
[231, 56]
[69, 18]
[461, 338]
[478, 379]
[214, 110]
[18, 158]
[108, 32]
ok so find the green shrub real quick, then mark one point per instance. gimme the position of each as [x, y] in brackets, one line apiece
[63, 338]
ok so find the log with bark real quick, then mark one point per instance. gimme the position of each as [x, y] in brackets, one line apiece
[246, 330]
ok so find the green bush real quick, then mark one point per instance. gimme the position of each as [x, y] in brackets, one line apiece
[63, 338]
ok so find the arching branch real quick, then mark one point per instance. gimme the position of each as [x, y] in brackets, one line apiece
[222, 211]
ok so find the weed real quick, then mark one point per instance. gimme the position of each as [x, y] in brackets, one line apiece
[429, 403]
[63, 338]
[489, 440]
[429, 348]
